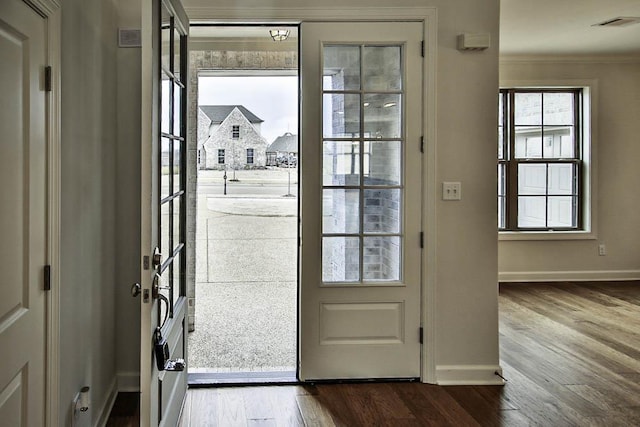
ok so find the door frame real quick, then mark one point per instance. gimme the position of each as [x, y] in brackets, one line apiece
[427, 15]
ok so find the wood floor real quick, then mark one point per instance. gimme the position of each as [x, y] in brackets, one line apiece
[570, 353]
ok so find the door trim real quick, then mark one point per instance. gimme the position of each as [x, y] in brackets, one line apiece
[429, 16]
[50, 10]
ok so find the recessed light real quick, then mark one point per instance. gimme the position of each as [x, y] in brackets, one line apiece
[389, 104]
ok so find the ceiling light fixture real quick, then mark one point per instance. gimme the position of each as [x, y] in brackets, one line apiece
[279, 35]
[389, 104]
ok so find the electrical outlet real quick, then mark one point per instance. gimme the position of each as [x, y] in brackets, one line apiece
[451, 191]
[602, 249]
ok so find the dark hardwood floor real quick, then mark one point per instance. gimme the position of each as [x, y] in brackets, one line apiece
[570, 354]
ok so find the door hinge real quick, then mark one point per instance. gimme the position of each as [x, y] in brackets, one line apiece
[422, 48]
[422, 144]
[47, 277]
[422, 239]
[47, 78]
[421, 335]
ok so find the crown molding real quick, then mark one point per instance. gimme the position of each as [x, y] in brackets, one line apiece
[571, 59]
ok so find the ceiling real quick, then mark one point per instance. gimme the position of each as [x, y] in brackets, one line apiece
[564, 27]
[527, 27]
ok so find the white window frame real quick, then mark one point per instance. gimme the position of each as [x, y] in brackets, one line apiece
[589, 132]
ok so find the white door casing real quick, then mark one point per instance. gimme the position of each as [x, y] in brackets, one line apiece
[163, 130]
[23, 215]
[360, 286]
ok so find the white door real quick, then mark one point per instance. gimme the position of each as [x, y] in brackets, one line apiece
[23, 215]
[163, 211]
[361, 200]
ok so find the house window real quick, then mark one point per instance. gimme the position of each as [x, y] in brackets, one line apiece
[221, 157]
[540, 164]
[249, 156]
[235, 131]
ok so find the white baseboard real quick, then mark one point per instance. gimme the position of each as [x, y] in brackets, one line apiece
[568, 276]
[128, 381]
[106, 408]
[469, 375]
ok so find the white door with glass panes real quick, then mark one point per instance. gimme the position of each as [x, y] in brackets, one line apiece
[361, 200]
[163, 371]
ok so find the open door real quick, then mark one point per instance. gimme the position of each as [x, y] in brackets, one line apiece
[163, 373]
[361, 200]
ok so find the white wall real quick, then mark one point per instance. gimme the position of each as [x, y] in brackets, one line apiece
[466, 321]
[88, 231]
[618, 175]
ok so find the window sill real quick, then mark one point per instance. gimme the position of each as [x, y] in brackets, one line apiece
[546, 235]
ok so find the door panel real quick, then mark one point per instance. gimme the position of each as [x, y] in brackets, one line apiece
[361, 200]
[163, 305]
[22, 215]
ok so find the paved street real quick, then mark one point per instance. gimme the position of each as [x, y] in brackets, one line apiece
[246, 292]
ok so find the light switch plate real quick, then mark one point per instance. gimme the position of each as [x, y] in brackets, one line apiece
[451, 191]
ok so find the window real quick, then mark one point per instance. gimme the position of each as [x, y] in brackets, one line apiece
[249, 156]
[540, 164]
[221, 157]
[235, 131]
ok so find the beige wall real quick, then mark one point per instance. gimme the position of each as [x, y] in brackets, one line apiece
[88, 233]
[618, 175]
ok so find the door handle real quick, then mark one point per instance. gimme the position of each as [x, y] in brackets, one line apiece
[136, 290]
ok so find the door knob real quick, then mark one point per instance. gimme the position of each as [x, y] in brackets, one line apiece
[136, 289]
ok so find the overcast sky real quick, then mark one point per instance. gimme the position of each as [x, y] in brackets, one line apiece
[272, 98]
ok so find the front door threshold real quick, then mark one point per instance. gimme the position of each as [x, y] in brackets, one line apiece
[212, 379]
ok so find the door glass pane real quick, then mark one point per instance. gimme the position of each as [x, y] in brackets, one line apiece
[176, 165]
[341, 115]
[176, 223]
[381, 211]
[340, 163]
[381, 68]
[341, 68]
[532, 212]
[382, 116]
[165, 232]
[176, 54]
[382, 162]
[532, 179]
[165, 38]
[165, 95]
[177, 275]
[340, 259]
[165, 184]
[177, 107]
[381, 259]
[340, 211]
[558, 109]
[528, 109]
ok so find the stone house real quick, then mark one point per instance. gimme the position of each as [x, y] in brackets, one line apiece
[229, 137]
[283, 148]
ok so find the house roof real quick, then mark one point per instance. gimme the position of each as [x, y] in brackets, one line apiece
[217, 113]
[284, 143]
